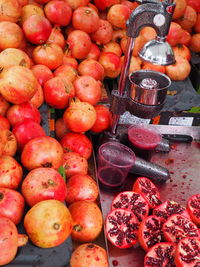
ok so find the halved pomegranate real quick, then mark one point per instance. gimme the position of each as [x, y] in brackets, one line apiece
[122, 228]
[131, 201]
[161, 254]
[148, 190]
[150, 232]
[178, 227]
[193, 207]
[188, 252]
[168, 208]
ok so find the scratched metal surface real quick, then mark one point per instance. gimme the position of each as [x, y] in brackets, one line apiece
[183, 163]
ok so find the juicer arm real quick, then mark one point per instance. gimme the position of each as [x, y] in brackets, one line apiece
[156, 15]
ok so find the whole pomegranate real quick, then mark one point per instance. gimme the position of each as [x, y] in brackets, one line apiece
[103, 119]
[180, 70]
[87, 89]
[89, 255]
[111, 63]
[14, 56]
[194, 44]
[42, 184]
[57, 37]
[25, 111]
[18, 84]
[79, 116]
[10, 240]
[42, 73]
[10, 10]
[38, 98]
[48, 223]
[4, 106]
[58, 91]
[87, 220]
[58, 12]
[8, 143]
[81, 187]
[77, 142]
[87, 15]
[37, 29]
[77, 3]
[11, 204]
[118, 15]
[10, 172]
[27, 130]
[104, 4]
[92, 68]
[74, 163]
[4, 123]
[79, 44]
[104, 33]
[43, 151]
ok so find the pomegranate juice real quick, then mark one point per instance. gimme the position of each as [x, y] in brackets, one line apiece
[143, 138]
[111, 178]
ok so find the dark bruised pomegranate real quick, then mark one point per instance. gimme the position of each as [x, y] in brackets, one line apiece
[122, 228]
[193, 207]
[161, 254]
[188, 252]
[168, 208]
[150, 232]
[178, 227]
[131, 201]
[148, 190]
[89, 255]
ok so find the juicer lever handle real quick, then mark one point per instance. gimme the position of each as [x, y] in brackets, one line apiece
[145, 1]
[182, 138]
[154, 14]
[150, 170]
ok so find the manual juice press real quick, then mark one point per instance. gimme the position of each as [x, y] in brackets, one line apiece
[143, 92]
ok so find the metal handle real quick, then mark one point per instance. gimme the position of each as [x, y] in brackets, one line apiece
[151, 170]
[182, 138]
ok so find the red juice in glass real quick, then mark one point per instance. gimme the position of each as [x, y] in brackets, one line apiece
[110, 178]
[143, 138]
[114, 162]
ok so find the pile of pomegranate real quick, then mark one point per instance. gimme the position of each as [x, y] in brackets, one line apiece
[59, 52]
[167, 231]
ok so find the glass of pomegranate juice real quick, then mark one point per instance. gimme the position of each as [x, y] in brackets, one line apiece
[114, 162]
[144, 138]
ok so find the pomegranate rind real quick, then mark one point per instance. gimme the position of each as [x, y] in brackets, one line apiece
[117, 235]
[138, 206]
[148, 190]
[188, 252]
[193, 207]
[168, 208]
[165, 249]
[150, 232]
[178, 227]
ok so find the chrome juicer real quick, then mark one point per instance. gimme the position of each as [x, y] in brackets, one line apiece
[143, 92]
